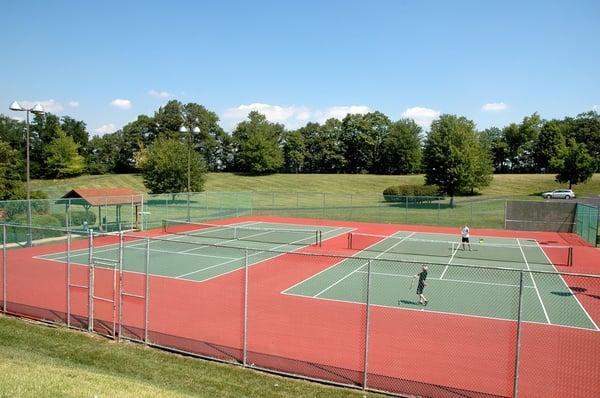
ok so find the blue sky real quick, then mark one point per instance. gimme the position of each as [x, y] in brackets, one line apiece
[106, 62]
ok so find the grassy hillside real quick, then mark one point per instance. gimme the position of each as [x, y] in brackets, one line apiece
[502, 185]
[38, 361]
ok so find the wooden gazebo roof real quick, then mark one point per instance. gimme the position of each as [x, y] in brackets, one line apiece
[105, 196]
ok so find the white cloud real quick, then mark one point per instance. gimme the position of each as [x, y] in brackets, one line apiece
[49, 105]
[339, 112]
[105, 129]
[73, 104]
[494, 107]
[18, 118]
[596, 108]
[291, 116]
[160, 94]
[422, 116]
[121, 103]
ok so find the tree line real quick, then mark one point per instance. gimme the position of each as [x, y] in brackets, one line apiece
[359, 143]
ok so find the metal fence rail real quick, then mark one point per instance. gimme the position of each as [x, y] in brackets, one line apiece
[110, 284]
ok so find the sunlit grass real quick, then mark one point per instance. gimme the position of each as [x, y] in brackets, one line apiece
[39, 361]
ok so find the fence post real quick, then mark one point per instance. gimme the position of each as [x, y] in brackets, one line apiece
[4, 270]
[147, 290]
[188, 207]
[367, 323]
[505, 204]
[351, 207]
[69, 278]
[120, 265]
[91, 280]
[245, 336]
[518, 345]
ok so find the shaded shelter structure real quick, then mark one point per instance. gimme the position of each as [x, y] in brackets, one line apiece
[110, 203]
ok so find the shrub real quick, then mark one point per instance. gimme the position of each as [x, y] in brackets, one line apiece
[412, 193]
[16, 208]
[79, 216]
[19, 233]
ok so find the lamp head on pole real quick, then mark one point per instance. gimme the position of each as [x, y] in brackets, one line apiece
[196, 130]
[183, 129]
[38, 109]
[15, 106]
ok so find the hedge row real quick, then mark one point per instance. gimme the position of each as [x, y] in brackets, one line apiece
[411, 193]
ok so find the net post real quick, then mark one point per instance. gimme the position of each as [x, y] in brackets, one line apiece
[518, 342]
[4, 269]
[68, 278]
[147, 290]
[120, 265]
[245, 336]
[570, 257]
[90, 280]
[320, 238]
[367, 323]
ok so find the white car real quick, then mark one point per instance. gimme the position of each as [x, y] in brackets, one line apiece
[559, 194]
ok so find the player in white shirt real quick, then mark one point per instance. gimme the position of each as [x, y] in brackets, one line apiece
[465, 238]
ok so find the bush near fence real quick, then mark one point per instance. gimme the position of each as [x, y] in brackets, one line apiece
[412, 193]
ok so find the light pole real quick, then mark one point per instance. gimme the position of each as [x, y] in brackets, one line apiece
[189, 132]
[37, 109]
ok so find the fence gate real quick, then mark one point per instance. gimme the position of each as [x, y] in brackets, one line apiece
[133, 290]
[103, 287]
[79, 277]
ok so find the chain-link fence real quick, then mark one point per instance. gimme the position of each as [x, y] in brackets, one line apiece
[144, 212]
[586, 218]
[485, 332]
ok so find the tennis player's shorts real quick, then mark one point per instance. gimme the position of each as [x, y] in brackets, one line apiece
[420, 288]
[465, 240]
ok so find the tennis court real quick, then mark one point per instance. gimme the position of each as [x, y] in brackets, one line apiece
[455, 284]
[498, 319]
[198, 252]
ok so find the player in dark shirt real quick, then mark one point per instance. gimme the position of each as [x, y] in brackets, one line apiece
[421, 285]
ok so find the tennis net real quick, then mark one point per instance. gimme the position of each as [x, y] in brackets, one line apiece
[525, 252]
[284, 236]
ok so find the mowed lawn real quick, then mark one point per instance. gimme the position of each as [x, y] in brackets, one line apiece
[514, 185]
[42, 361]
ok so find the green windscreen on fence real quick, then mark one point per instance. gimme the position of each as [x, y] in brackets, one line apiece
[587, 222]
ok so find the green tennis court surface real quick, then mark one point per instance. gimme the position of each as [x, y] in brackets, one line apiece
[195, 253]
[457, 285]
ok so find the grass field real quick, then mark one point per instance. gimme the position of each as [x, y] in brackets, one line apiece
[40, 361]
[502, 184]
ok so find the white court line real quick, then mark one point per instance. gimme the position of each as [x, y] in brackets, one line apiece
[358, 269]
[451, 258]
[567, 286]
[449, 280]
[185, 253]
[252, 255]
[439, 312]
[534, 284]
